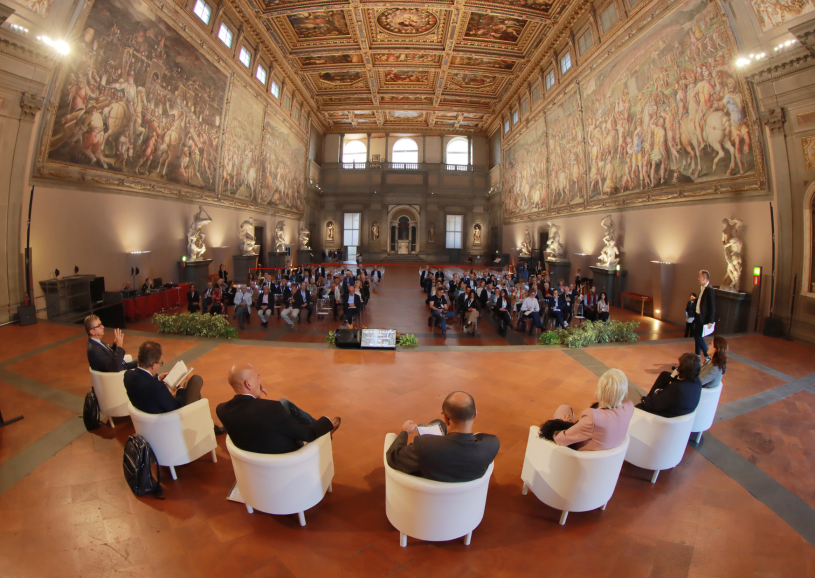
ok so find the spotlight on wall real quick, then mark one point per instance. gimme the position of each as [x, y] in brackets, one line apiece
[17, 29]
[59, 45]
[786, 44]
[743, 61]
[138, 252]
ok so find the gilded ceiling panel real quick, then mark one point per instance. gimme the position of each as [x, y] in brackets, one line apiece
[406, 26]
[482, 62]
[406, 58]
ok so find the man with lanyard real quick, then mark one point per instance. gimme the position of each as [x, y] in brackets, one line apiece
[531, 309]
[438, 308]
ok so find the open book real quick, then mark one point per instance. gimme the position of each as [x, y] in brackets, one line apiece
[432, 429]
[177, 374]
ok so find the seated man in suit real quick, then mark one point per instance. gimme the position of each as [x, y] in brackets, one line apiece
[101, 357]
[207, 298]
[590, 304]
[265, 305]
[457, 456]
[302, 301]
[193, 299]
[557, 305]
[353, 304]
[147, 390]
[265, 426]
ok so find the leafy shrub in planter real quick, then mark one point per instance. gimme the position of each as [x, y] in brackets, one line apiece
[592, 332]
[195, 324]
[407, 340]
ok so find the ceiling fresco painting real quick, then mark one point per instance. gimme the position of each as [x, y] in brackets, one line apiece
[330, 60]
[407, 77]
[312, 25]
[399, 57]
[494, 27]
[481, 62]
[407, 21]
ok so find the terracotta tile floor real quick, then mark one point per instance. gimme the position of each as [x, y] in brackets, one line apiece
[779, 439]
[789, 357]
[74, 516]
[17, 340]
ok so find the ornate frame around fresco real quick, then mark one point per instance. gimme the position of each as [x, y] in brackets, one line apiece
[45, 171]
[726, 187]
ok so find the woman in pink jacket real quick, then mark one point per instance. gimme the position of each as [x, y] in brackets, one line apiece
[604, 425]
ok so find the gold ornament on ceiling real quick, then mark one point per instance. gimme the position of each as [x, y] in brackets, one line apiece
[407, 21]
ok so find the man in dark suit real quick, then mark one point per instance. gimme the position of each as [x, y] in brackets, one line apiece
[207, 298]
[352, 303]
[302, 300]
[705, 312]
[557, 305]
[674, 394]
[457, 456]
[102, 357]
[266, 426]
[193, 300]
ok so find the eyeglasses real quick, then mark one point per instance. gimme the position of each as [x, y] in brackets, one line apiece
[96, 326]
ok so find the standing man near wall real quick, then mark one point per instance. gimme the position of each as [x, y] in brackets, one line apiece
[705, 312]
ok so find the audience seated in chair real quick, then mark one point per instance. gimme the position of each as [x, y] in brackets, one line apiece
[674, 393]
[193, 300]
[602, 307]
[265, 305]
[502, 312]
[603, 426]
[267, 426]
[353, 305]
[556, 304]
[102, 357]
[590, 304]
[457, 456]
[713, 370]
[439, 307]
[530, 310]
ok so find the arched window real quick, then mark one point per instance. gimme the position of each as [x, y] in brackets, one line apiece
[458, 153]
[405, 150]
[354, 152]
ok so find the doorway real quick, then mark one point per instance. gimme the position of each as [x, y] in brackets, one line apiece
[403, 224]
[260, 239]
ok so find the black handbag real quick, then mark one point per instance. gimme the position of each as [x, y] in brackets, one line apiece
[90, 411]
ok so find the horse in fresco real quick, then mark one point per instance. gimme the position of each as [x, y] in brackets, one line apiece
[171, 142]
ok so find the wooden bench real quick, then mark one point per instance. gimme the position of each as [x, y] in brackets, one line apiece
[642, 298]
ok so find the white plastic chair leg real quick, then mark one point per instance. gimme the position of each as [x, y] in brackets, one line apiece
[698, 437]
[302, 517]
[604, 506]
[654, 477]
[214, 457]
[330, 488]
[467, 539]
[525, 489]
[402, 539]
[563, 517]
[172, 472]
[110, 421]
[250, 509]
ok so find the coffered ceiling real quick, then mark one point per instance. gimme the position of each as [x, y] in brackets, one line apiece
[440, 65]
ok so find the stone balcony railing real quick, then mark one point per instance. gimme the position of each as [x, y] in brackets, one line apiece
[406, 167]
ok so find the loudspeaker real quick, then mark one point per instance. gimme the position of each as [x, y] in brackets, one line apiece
[773, 327]
[27, 314]
[348, 339]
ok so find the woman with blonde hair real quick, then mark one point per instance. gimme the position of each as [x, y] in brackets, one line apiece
[603, 426]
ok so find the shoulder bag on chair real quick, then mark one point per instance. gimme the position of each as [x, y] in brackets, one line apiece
[138, 463]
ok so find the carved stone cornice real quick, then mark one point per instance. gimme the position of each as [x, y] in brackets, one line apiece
[782, 66]
[30, 105]
[773, 119]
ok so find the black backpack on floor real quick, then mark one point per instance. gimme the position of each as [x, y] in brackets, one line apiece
[90, 411]
[138, 463]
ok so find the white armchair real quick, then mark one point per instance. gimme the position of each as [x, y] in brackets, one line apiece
[177, 437]
[706, 410]
[570, 480]
[657, 443]
[284, 484]
[430, 510]
[110, 393]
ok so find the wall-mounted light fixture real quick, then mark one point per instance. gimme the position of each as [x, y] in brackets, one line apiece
[59, 45]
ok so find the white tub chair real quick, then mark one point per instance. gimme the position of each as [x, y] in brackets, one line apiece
[177, 437]
[284, 484]
[430, 510]
[657, 443]
[706, 411]
[569, 480]
[110, 393]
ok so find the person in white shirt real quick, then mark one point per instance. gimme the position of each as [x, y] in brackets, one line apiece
[289, 313]
[265, 305]
[243, 304]
[530, 308]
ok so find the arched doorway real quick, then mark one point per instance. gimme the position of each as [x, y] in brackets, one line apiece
[403, 230]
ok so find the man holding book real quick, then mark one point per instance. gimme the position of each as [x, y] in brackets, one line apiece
[150, 391]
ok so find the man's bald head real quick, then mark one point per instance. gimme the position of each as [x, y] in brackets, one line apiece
[459, 406]
[244, 378]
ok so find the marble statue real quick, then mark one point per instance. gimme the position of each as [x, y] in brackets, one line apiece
[553, 246]
[609, 256]
[375, 231]
[279, 241]
[733, 247]
[195, 237]
[431, 233]
[329, 231]
[477, 235]
[304, 237]
[247, 238]
[526, 246]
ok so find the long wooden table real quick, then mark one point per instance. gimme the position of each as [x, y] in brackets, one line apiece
[144, 306]
[642, 298]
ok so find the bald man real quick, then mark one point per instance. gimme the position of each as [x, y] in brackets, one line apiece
[457, 456]
[265, 426]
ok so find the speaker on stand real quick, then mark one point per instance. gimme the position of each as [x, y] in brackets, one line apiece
[348, 339]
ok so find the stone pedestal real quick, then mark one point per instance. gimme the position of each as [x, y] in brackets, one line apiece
[305, 256]
[662, 276]
[241, 265]
[732, 311]
[195, 272]
[608, 281]
[559, 269]
[277, 260]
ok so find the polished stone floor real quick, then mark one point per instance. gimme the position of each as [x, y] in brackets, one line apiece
[740, 503]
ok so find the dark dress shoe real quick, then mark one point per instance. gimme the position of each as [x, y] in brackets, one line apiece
[219, 430]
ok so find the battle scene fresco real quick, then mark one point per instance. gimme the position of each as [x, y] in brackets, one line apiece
[316, 25]
[405, 98]
[283, 167]
[472, 79]
[331, 59]
[241, 148]
[666, 113]
[537, 5]
[407, 57]
[669, 111]
[494, 27]
[525, 173]
[481, 62]
[772, 13]
[407, 21]
[340, 77]
[139, 100]
[407, 76]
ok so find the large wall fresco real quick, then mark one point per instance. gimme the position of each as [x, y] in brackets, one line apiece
[525, 172]
[772, 13]
[143, 109]
[665, 115]
[139, 99]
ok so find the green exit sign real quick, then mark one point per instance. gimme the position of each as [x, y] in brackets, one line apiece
[756, 271]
